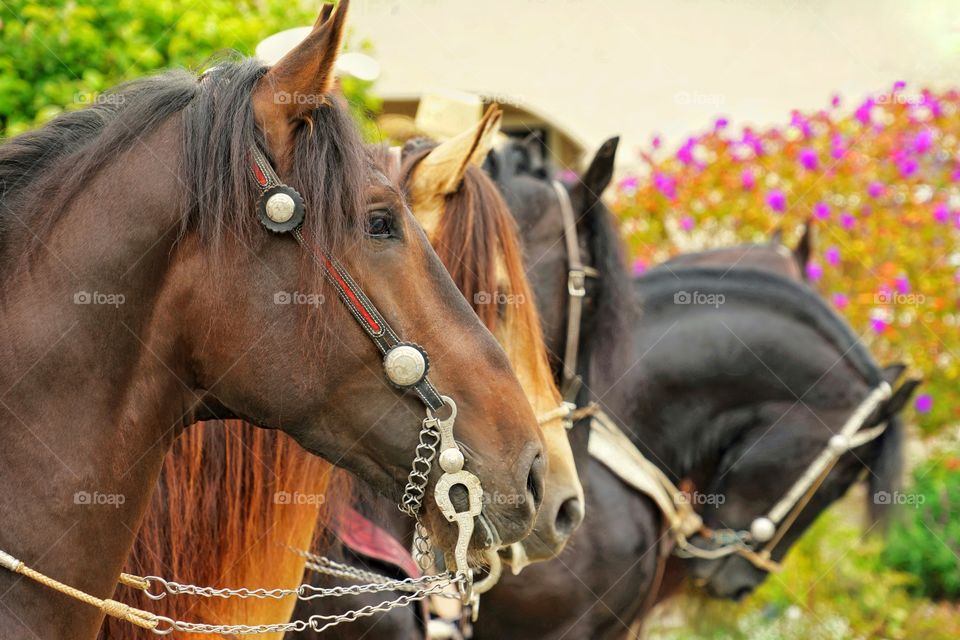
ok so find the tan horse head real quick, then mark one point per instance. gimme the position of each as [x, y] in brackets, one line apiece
[474, 234]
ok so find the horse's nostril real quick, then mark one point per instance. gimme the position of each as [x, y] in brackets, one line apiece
[535, 481]
[569, 517]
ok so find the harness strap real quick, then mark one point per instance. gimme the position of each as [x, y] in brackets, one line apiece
[576, 280]
[350, 293]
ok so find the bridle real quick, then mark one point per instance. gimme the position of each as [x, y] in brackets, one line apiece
[281, 210]
[406, 365]
[757, 543]
[577, 275]
[611, 446]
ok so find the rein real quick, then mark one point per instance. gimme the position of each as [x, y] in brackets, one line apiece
[281, 210]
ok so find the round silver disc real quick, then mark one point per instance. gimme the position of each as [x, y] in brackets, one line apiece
[405, 365]
[280, 207]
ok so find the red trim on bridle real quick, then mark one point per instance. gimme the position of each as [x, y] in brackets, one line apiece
[259, 175]
[351, 296]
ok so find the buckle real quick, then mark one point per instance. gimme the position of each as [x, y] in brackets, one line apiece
[576, 279]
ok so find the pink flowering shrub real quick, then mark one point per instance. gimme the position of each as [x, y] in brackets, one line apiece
[880, 184]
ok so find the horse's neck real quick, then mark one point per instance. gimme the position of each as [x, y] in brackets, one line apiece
[92, 396]
[77, 478]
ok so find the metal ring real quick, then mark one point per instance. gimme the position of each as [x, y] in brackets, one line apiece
[155, 596]
[447, 400]
[164, 632]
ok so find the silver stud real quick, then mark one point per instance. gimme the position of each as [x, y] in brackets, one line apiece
[280, 207]
[839, 443]
[762, 529]
[451, 460]
[405, 365]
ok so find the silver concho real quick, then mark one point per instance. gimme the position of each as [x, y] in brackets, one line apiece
[405, 365]
[762, 530]
[280, 207]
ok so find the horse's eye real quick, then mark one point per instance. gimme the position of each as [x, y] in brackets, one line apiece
[380, 224]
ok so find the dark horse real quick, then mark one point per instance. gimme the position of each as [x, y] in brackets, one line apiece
[734, 399]
[139, 297]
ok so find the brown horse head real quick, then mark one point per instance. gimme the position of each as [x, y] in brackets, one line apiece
[140, 288]
[475, 236]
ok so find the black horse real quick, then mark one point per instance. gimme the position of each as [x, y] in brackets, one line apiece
[734, 398]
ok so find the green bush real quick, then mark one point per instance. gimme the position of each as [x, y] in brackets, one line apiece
[925, 539]
[60, 54]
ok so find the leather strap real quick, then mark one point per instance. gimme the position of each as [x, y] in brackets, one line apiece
[576, 281]
[350, 293]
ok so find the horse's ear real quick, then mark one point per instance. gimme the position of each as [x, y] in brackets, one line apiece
[299, 83]
[598, 174]
[805, 247]
[892, 372]
[899, 399]
[442, 170]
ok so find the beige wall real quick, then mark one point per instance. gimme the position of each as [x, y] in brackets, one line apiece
[671, 66]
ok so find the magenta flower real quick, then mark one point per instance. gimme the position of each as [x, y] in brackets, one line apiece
[630, 183]
[838, 147]
[808, 158]
[639, 266]
[902, 283]
[879, 325]
[721, 123]
[923, 403]
[908, 167]
[899, 85]
[941, 213]
[955, 175]
[832, 256]
[835, 100]
[847, 220]
[667, 185]
[821, 210]
[864, 112]
[685, 153]
[876, 189]
[657, 142]
[840, 300]
[923, 141]
[814, 271]
[777, 200]
[687, 223]
[747, 180]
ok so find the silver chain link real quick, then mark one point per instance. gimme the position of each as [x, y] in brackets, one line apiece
[419, 475]
[317, 623]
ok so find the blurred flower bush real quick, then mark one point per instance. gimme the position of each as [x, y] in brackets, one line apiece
[880, 183]
[925, 539]
[60, 54]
